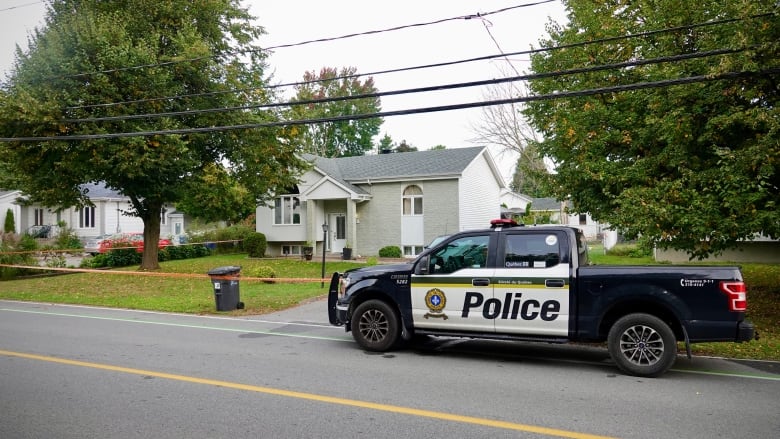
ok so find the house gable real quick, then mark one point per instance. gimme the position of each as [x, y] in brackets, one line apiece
[366, 195]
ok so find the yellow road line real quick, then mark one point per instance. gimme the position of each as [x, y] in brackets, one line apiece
[314, 397]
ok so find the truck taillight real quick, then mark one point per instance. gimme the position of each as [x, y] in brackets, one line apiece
[737, 294]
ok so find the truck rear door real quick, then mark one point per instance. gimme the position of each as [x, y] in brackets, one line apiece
[531, 284]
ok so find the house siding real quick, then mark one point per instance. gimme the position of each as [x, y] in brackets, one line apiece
[7, 201]
[380, 219]
[441, 208]
[480, 198]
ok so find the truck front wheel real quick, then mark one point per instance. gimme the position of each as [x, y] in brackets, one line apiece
[375, 326]
[642, 345]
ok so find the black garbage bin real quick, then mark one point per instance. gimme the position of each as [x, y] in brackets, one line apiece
[225, 283]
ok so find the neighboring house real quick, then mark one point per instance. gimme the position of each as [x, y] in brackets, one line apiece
[559, 213]
[518, 202]
[760, 249]
[107, 216]
[401, 199]
[8, 201]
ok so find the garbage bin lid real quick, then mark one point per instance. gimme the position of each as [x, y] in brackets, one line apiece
[223, 271]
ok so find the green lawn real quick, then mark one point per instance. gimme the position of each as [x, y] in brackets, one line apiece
[185, 288]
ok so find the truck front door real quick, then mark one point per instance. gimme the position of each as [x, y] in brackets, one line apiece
[457, 272]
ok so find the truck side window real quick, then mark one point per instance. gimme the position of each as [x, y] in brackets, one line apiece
[531, 251]
[465, 252]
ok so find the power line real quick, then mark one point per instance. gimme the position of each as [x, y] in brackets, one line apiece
[561, 95]
[319, 40]
[441, 64]
[21, 6]
[591, 69]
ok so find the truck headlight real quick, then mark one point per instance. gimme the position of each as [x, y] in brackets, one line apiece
[343, 284]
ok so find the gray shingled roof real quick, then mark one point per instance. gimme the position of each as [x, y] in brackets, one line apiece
[546, 204]
[404, 165]
[99, 190]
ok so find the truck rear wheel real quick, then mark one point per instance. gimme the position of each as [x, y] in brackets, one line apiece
[642, 345]
[375, 326]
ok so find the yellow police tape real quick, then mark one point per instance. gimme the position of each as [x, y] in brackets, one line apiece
[173, 275]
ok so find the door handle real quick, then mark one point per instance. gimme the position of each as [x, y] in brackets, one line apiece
[554, 283]
[481, 282]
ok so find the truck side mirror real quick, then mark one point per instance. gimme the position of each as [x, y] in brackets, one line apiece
[422, 265]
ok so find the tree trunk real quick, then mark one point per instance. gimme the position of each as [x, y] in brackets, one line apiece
[151, 219]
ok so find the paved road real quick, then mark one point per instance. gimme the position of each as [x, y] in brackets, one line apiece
[79, 372]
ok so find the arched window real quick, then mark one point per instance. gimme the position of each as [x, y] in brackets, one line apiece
[413, 200]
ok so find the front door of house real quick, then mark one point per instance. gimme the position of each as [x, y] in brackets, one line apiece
[337, 232]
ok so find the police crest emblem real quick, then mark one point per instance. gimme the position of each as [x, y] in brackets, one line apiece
[435, 300]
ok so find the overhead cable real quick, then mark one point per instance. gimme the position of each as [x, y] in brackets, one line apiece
[534, 76]
[521, 99]
[319, 40]
[441, 64]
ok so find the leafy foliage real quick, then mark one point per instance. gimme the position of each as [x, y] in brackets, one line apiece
[390, 251]
[692, 167]
[227, 239]
[255, 244]
[15, 251]
[66, 238]
[124, 257]
[9, 226]
[262, 271]
[84, 58]
[339, 138]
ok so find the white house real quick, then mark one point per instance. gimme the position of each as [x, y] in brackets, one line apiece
[8, 201]
[402, 199]
[559, 213]
[107, 216]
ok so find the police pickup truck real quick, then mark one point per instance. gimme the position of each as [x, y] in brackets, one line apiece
[535, 284]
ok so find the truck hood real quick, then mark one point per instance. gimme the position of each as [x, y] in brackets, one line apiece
[378, 270]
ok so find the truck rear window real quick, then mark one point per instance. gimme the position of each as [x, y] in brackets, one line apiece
[532, 251]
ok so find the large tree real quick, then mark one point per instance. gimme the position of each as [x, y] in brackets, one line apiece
[340, 138]
[689, 166]
[95, 59]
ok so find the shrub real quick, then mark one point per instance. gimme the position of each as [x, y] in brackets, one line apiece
[390, 251]
[255, 244]
[10, 245]
[28, 243]
[228, 239]
[67, 238]
[98, 261]
[10, 224]
[262, 271]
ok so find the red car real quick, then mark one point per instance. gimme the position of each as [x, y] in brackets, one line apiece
[124, 240]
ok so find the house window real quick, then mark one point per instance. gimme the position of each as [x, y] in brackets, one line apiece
[411, 251]
[87, 217]
[291, 250]
[163, 216]
[583, 219]
[287, 210]
[413, 201]
[38, 217]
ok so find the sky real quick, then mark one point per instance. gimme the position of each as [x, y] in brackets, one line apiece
[294, 21]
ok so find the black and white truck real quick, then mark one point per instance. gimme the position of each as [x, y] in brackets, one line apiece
[535, 284]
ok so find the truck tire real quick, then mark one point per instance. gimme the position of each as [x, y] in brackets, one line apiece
[642, 345]
[375, 326]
